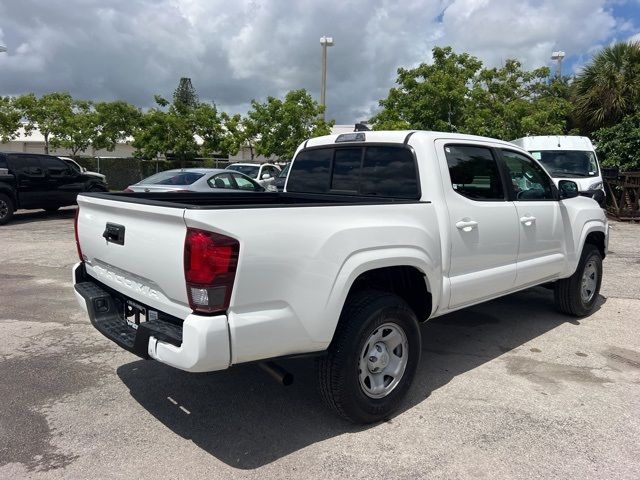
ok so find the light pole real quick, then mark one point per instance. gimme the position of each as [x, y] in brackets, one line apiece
[558, 56]
[325, 42]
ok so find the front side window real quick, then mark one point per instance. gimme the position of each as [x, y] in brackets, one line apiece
[474, 172]
[244, 183]
[529, 180]
[55, 167]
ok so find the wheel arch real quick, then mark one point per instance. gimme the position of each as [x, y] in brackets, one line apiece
[407, 272]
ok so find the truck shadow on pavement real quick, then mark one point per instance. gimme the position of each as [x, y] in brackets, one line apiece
[247, 420]
[30, 216]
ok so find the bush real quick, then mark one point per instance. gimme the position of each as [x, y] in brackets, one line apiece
[619, 145]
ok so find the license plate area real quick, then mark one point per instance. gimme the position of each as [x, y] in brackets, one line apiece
[135, 314]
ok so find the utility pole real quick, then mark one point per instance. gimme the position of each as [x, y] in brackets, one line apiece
[325, 42]
[558, 56]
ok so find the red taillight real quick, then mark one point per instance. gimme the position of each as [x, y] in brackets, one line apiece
[75, 228]
[210, 261]
[127, 190]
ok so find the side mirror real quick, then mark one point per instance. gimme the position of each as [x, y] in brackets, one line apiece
[568, 189]
[266, 176]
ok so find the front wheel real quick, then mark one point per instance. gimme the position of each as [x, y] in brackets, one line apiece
[372, 359]
[578, 294]
[6, 209]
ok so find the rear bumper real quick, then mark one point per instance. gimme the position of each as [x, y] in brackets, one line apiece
[197, 344]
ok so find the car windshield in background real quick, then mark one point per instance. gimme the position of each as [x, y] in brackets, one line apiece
[568, 163]
[172, 178]
[250, 170]
[72, 165]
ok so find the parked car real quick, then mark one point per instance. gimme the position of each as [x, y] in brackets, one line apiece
[196, 180]
[40, 181]
[263, 173]
[376, 233]
[72, 163]
[281, 179]
[570, 158]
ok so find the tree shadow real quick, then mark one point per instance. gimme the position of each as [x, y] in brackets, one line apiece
[245, 419]
[30, 216]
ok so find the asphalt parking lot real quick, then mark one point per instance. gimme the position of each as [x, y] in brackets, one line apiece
[508, 389]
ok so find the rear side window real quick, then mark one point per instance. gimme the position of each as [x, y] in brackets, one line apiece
[474, 172]
[384, 171]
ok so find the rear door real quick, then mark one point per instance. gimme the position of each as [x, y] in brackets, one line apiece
[540, 253]
[483, 223]
[147, 265]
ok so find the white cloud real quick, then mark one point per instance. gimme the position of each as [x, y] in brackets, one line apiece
[236, 51]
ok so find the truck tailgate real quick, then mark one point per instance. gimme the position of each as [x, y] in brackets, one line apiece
[143, 258]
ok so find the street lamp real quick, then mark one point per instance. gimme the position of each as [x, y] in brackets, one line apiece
[325, 42]
[558, 56]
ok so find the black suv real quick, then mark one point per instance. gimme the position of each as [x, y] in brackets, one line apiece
[29, 180]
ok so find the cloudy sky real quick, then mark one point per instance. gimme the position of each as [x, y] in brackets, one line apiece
[242, 49]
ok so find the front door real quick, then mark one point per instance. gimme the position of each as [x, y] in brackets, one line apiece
[483, 223]
[540, 254]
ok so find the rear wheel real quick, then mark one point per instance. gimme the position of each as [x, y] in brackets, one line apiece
[6, 209]
[578, 294]
[372, 359]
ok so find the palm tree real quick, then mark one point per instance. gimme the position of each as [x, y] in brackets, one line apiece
[608, 87]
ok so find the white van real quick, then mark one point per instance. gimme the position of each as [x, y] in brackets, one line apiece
[568, 158]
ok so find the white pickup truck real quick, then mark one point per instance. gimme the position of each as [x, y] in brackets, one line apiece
[375, 233]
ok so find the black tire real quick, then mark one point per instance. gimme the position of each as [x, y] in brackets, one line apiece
[51, 208]
[6, 209]
[338, 371]
[568, 292]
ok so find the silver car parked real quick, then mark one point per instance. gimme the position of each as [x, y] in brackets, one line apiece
[198, 180]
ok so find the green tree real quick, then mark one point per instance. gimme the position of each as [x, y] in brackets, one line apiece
[49, 114]
[115, 122]
[185, 96]
[279, 126]
[608, 88]
[78, 131]
[619, 145]
[430, 96]
[234, 136]
[10, 119]
[208, 126]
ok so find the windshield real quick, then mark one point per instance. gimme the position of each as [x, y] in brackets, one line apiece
[568, 163]
[172, 177]
[250, 170]
[72, 165]
[283, 173]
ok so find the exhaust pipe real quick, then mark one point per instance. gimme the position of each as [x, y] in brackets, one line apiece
[278, 373]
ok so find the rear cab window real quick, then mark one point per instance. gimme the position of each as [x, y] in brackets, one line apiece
[376, 170]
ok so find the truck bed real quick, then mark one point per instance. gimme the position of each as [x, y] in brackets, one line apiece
[230, 200]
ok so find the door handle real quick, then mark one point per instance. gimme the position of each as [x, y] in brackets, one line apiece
[528, 220]
[466, 225]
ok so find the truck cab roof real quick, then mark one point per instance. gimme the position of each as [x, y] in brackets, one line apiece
[555, 142]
